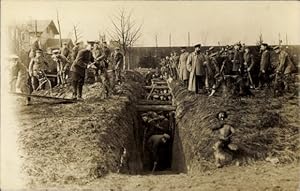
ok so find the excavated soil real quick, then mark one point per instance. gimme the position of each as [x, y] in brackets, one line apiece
[79, 146]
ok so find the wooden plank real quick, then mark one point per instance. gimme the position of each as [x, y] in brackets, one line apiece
[156, 87]
[155, 108]
[153, 102]
[43, 97]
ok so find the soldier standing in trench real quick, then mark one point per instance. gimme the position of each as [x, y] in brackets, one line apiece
[155, 144]
[83, 60]
[225, 132]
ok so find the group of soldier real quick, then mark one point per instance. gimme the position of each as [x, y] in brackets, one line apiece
[204, 71]
[71, 65]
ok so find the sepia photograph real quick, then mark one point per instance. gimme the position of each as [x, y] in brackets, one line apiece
[104, 95]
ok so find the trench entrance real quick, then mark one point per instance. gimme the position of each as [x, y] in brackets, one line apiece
[156, 116]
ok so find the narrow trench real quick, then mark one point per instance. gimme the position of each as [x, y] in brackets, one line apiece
[157, 117]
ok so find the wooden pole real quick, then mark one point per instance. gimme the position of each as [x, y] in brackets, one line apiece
[60, 42]
[189, 39]
[170, 40]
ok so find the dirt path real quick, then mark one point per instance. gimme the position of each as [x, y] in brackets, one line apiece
[261, 176]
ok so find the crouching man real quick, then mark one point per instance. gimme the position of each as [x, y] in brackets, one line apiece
[156, 143]
[223, 146]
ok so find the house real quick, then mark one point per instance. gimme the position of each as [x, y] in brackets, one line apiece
[24, 34]
[53, 43]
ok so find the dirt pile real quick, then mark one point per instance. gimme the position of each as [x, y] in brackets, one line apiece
[265, 127]
[76, 143]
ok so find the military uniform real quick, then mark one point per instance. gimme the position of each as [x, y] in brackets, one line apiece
[118, 65]
[156, 144]
[36, 65]
[283, 70]
[264, 71]
[65, 51]
[78, 70]
[63, 67]
[183, 72]
[75, 51]
[195, 65]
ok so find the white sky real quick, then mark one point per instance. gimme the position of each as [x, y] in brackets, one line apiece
[224, 21]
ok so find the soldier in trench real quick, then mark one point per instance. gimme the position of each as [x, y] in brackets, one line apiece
[156, 144]
[224, 145]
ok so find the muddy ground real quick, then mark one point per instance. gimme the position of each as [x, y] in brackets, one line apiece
[79, 146]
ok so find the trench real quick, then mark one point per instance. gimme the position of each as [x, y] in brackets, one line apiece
[157, 107]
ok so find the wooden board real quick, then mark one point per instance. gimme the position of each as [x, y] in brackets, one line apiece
[44, 97]
[155, 108]
[153, 102]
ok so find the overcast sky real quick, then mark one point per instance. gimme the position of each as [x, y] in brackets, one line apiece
[207, 22]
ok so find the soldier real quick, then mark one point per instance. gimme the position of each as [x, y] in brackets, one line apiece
[182, 68]
[156, 144]
[265, 64]
[62, 65]
[284, 69]
[248, 65]
[211, 69]
[75, 50]
[83, 60]
[37, 64]
[15, 67]
[237, 59]
[174, 64]
[65, 51]
[195, 65]
[118, 65]
[36, 45]
[225, 132]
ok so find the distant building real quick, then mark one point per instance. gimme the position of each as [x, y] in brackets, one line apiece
[22, 35]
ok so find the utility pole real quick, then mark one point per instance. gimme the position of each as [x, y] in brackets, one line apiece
[286, 39]
[35, 28]
[170, 40]
[58, 28]
[189, 39]
[279, 39]
[156, 45]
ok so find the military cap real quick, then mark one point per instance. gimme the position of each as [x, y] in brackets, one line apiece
[55, 51]
[197, 46]
[91, 42]
[276, 48]
[183, 47]
[166, 136]
[39, 51]
[238, 44]
[264, 44]
[222, 112]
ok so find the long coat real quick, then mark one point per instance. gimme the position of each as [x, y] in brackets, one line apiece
[183, 72]
[265, 62]
[237, 60]
[83, 58]
[285, 66]
[195, 65]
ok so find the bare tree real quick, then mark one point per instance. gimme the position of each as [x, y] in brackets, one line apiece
[125, 30]
[77, 33]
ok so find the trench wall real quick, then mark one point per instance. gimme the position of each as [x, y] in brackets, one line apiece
[77, 143]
